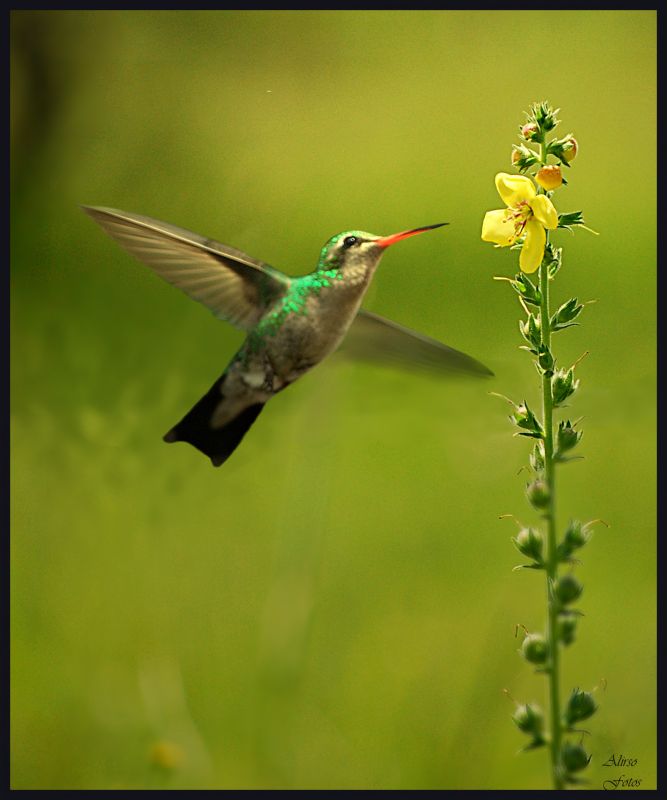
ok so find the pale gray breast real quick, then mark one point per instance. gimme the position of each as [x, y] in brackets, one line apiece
[309, 337]
[331, 315]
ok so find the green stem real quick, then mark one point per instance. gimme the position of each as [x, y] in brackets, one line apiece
[552, 560]
[550, 518]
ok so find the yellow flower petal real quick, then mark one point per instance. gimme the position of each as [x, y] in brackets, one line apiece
[545, 211]
[514, 188]
[497, 228]
[532, 251]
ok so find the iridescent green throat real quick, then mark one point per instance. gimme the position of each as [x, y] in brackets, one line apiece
[295, 302]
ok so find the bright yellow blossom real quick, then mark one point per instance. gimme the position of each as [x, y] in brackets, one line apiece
[527, 214]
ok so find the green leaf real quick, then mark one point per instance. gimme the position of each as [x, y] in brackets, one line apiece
[570, 220]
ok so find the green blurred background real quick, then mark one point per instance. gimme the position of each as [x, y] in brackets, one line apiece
[335, 607]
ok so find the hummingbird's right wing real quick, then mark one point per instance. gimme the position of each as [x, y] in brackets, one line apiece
[233, 285]
[374, 338]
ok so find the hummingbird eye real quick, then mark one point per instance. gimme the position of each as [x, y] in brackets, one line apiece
[349, 241]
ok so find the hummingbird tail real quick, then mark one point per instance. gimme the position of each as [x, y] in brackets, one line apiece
[218, 443]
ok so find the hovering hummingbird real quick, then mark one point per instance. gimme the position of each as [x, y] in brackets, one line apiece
[292, 323]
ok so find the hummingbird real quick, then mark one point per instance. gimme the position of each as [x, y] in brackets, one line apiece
[292, 323]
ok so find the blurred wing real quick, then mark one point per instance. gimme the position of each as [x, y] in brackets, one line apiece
[234, 286]
[374, 338]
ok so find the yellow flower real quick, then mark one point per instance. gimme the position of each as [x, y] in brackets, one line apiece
[527, 214]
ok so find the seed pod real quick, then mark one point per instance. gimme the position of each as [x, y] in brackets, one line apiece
[538, 494]
[568, 589]
[567, 437]
[535, 648]
[529, 719]
[580, 706]
[529, 542]
[563, 385]
[576, 535]
[567, 628]
[574, 757]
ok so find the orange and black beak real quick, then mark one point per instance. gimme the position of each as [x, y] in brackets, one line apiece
[385, 241]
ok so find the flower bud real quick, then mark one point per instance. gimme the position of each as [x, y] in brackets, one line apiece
[580, 706]
[523, 157]
[570, 148]
[535, 648]
[529, 542]
[529, 719]
[549, 177]
[538, 494]
[574, 757]
[567, 628]
[544, 115]
[568, 589]
[530, 132]
[565, 149]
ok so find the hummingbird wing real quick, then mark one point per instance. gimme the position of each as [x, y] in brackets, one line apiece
[374, 338]
[233, 285]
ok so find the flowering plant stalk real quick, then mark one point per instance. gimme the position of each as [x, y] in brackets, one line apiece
[526, 224]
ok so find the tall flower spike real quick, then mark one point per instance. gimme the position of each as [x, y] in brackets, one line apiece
[527, 215]
[523, 225]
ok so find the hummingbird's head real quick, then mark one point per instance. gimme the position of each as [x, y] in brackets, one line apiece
[355, 254]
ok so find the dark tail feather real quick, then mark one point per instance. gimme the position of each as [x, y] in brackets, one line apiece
[217, 443]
